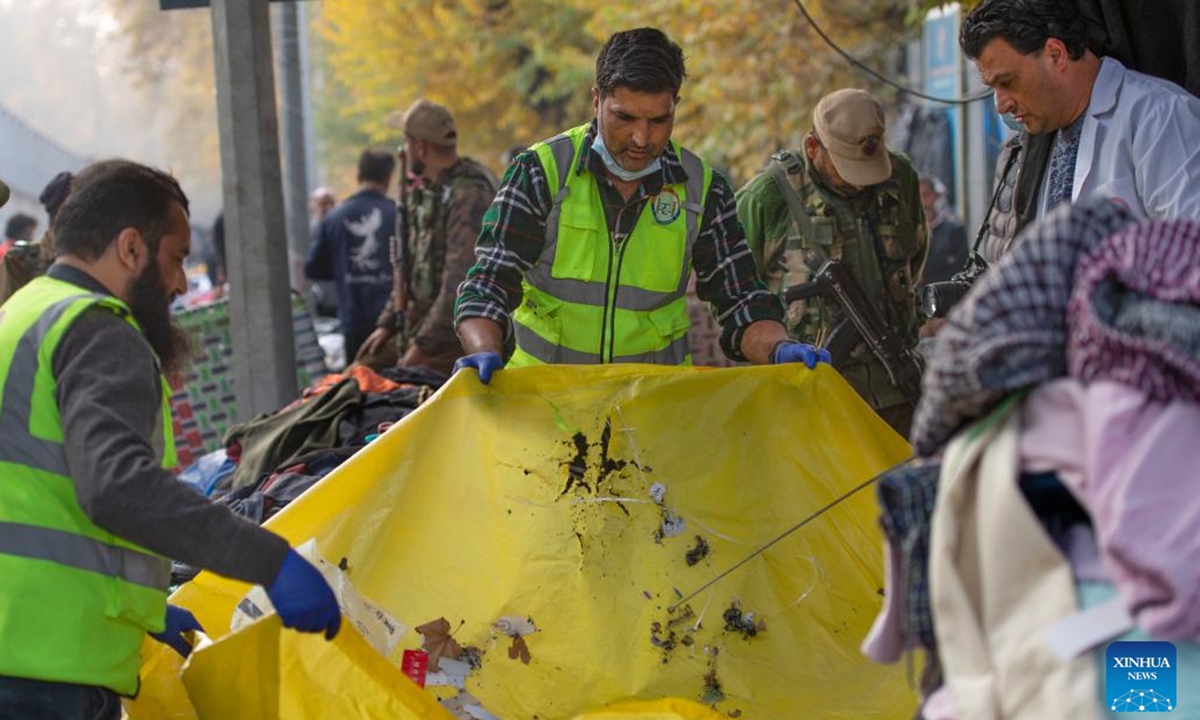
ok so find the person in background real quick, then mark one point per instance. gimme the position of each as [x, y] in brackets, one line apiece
[324, 292]
[91, 511]
[351, 247]
[320, 204]
[948, 246]
[216, 251]
[19, 228]
[25, 261]
[444, 212]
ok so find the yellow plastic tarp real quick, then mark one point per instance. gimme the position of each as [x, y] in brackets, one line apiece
[555, 494]
[669, 709]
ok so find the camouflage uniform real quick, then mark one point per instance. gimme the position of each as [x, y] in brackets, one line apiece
[879, 234]
[444, 219]
[23, 262]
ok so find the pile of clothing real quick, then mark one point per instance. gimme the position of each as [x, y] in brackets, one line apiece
[1055, 507]
[272, 459]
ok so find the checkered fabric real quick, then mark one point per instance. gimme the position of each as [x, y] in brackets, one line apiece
[1134, 314]
[906, 497]
[1010, 331]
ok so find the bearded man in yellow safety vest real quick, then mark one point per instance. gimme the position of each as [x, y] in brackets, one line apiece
[89, 514]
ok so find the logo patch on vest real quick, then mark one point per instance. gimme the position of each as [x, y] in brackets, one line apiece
[665, 207]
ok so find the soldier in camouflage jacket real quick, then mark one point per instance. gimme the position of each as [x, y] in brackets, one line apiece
[861, 204]
[443, 215]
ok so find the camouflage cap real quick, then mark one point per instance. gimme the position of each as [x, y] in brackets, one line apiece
[429, 121]
[850, 124]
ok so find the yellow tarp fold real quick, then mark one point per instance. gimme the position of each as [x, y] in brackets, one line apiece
[555, 494]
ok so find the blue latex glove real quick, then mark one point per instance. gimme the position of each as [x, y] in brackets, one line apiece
[485, 362]
[303, 599]
[787, 352]
[179, 621]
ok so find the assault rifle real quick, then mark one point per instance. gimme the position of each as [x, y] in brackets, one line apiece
[399, 246]
[862, 324]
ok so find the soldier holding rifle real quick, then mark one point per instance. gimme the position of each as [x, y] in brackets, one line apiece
[845, 197]
[439, 219]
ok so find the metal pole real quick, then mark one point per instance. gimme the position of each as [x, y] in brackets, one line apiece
[295, 163]
[313, 177]
[259, 303]
[979, 167]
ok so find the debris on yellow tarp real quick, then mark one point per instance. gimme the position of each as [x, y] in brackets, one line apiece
[267, 672]
[588, 502]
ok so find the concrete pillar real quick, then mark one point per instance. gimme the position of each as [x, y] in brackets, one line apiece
[256, 244]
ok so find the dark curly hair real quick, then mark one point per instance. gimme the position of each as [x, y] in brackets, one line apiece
[645, 60]
[1024, 24]
[109, 196]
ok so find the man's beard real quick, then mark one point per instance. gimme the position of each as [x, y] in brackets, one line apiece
[416, 166]
[150, 304]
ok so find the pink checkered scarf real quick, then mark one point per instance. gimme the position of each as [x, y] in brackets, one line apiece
[1134, 312]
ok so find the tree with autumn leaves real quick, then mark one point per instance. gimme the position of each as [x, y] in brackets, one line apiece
[517, 72]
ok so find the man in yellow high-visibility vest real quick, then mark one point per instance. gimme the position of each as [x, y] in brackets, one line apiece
[586, 253]
[88, 512]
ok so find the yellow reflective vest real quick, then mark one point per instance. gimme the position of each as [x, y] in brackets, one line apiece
[75, 600]
[591, 298]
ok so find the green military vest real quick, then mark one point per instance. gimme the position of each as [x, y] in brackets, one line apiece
[593, 299]
[75, 600]
[875, 234]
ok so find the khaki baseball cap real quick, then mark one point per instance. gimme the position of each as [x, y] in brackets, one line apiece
[429, 121]
[850, 124]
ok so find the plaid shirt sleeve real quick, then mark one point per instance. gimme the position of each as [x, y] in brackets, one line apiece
[512, 238]
[726, 274]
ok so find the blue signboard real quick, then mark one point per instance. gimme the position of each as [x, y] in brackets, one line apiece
[942, 76]
[943, 63]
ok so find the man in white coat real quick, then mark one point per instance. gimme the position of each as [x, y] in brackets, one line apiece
[1116, 133]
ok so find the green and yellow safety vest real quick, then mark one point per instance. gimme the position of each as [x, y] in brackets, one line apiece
[75, 600]
[591, 298]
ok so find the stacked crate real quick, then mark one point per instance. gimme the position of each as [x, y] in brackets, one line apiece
[203, 403]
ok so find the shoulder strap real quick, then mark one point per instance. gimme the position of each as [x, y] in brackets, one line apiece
[781, 165]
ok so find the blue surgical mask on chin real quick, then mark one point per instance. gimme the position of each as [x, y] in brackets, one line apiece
[615, 169]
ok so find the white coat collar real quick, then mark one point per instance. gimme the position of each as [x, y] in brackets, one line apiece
[1106, 87]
